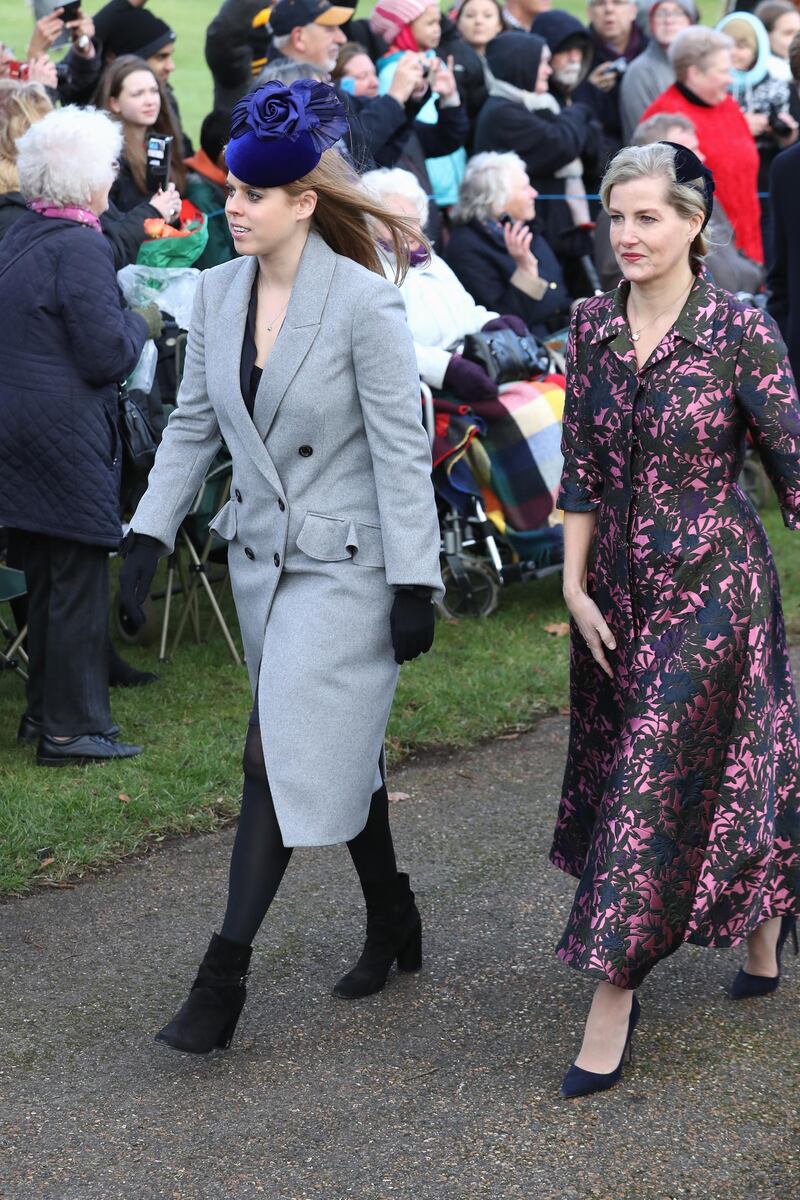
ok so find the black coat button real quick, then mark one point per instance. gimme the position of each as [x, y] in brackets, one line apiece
[238, 495]
[305, 452]
[249, 552]
[281, 506]
[276, 558]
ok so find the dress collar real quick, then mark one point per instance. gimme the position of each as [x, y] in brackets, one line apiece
[695, 322]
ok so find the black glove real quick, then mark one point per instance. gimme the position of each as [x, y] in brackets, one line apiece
[468, 381]
[412, 623]
[141, 554]
[509, 321]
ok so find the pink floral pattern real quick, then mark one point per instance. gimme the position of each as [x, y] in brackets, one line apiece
[679, 813]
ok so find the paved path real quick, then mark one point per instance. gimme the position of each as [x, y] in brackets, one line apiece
[443, 1086]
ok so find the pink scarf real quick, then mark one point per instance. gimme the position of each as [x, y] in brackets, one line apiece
[69, 212]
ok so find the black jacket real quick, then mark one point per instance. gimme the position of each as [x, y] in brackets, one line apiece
[605, 105]
[67, 343]
[124, 230]
[545, 140]
[232, 48]
[783, 254]
[477, 254]
[468, 67]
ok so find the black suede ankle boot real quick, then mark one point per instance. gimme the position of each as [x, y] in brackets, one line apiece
[394, 931]
[207, 1019]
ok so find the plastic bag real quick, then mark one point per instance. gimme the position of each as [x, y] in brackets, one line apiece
[143, 375]
[171, 288]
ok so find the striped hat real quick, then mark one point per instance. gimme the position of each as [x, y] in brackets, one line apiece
[390, 16]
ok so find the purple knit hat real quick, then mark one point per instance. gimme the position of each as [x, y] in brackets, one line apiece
[390, 16]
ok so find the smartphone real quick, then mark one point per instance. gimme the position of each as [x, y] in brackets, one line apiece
[347, 84]
[159, 161]
[72, 10]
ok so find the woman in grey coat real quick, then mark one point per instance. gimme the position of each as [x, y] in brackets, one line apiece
[300, 360]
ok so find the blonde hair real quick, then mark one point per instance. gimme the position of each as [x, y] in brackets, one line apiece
[647, 162]
[346, 215]
[21, 105]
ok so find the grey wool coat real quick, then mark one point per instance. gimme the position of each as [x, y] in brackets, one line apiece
[331, 505]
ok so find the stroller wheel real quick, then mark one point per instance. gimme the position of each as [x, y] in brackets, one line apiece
[147, 634]
[474, 594]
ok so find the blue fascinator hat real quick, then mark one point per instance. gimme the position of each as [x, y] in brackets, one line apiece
[279, 133]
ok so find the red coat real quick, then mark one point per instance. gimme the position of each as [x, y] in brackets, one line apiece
[730, 152]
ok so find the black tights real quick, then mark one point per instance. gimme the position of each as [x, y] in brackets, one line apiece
[260, 858]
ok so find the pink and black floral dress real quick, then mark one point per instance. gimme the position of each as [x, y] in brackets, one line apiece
[680, 811]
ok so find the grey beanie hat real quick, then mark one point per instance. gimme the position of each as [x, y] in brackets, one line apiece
[688, 6]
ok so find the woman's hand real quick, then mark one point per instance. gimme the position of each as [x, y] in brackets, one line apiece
[82, 30]
[592, 626]
[412, 624]
[518, 238]
[407, 78]
[141, 554]
[167, 201]
[758, 123]
[43, 70]
[788, 139]
[442, 78]
[468, 381]
[46, 31]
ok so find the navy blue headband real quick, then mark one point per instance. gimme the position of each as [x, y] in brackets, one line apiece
[279, 133]
[688, 168]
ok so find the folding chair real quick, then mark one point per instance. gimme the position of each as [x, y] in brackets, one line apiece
[12, 585]
[194, 575]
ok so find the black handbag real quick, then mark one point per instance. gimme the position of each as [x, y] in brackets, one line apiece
[507, 356]
[139, 442]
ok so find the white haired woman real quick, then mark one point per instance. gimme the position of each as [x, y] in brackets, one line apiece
[500, 259]
[680, 809]
[701, 59]
[440, 311]
[67, 343]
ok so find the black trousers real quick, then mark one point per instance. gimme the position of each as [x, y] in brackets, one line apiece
[68, 600]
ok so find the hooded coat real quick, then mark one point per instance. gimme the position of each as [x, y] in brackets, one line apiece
[546, 136]
[560, 30]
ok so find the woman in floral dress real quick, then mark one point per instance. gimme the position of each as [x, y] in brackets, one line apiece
[680, 806]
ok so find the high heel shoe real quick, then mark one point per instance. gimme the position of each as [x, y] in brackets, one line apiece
[394, 933]
[207, 1019]
[578, 1082]
[746, 985]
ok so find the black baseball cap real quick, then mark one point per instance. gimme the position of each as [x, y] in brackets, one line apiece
[289, 14]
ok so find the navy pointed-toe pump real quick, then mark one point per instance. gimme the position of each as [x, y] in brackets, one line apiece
[578, 1082]
[746, 985]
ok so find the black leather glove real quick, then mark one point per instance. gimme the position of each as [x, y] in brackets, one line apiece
[467, 381]
[141, 554]
[509, 321]
[412, 623]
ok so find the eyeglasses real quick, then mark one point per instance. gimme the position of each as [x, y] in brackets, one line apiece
[610, 3]
[663, 13]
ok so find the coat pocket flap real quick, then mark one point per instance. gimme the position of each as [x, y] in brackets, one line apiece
[224, 523]
[333, 539]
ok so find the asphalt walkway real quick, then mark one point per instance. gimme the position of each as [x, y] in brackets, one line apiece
[443, 1086]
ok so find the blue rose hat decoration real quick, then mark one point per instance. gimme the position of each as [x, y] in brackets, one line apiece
[279, 133]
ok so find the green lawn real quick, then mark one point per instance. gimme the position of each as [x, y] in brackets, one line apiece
[189, 19]
[482, 678]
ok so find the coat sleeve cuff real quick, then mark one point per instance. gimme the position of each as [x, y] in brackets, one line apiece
[535, 288]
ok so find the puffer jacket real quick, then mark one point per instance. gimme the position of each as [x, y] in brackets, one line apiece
[67, 343]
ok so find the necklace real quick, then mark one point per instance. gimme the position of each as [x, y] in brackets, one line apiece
[271, 324]
[637, 333]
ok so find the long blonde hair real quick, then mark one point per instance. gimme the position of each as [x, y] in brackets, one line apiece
[21, 105]
[346, 216]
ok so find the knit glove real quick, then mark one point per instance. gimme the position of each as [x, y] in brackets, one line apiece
[141, 554]
[468, 381]
[412, 623]
[153, 317]
[509, 321]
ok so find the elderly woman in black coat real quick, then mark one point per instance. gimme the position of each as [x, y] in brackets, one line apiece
[67, 343]
[502, 261]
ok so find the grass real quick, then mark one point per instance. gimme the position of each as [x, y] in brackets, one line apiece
[189, 19]
[482, 678]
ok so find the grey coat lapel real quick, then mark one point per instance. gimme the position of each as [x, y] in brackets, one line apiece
[299, 329]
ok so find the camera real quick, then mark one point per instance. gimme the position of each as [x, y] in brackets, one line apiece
[776, 123]
[159, 161]
[619, 66]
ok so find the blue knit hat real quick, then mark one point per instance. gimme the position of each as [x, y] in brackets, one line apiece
[279, 133]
